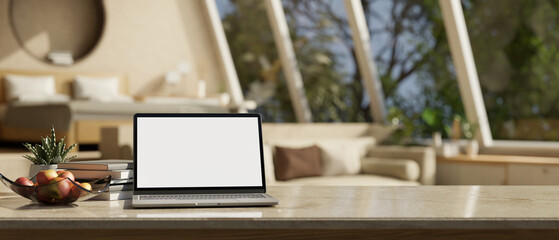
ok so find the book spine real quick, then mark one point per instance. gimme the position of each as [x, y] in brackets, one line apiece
[119, 187]
[100, 174]
[110, 196]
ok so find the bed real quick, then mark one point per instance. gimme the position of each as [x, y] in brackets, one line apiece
[27, 118]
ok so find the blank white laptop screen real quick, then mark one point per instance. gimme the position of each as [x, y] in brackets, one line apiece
[193, 152]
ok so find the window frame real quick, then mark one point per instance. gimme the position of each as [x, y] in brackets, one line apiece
[462, 56]
[224, 54]
[470, 90]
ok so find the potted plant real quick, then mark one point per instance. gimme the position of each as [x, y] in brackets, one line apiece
[48, 154]
[469, 131]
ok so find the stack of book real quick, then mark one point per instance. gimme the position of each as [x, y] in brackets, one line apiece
[121, 172]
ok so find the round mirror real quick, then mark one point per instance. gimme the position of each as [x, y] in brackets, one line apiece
[60, 32]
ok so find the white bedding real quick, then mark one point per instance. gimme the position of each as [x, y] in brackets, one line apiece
[89, 109]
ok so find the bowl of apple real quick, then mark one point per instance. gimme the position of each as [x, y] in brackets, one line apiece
[56, 187]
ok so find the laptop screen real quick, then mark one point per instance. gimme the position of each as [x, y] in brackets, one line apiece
[186, 151]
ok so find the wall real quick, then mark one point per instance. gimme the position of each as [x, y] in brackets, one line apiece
[41, 33]
[143, 39]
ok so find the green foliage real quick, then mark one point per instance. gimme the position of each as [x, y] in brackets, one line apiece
[415, 34]
[514, 43]
[402, 127]
[256, 60]
[469, 129]
[334, 90]
[49, 151]
[333, 94]
[430, 117]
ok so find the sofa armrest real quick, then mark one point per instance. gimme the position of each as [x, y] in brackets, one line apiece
[404, 169]
[424, 156]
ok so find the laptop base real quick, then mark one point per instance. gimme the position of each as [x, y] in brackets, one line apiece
[138, 202]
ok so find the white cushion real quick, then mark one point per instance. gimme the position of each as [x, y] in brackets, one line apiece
[405, 169]
[94, 88]
[339, 156]
[56, 98]
[16, 85]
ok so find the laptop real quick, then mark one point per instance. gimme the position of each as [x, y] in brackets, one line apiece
[198, 160]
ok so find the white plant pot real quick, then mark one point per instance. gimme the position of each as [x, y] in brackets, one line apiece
[437, 139]
[36, 168]
[448, 149]
[472, 148]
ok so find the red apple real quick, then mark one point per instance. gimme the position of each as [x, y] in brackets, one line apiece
[59, 188]
[43, 194]
[45, 176]
[86, 186]
[77, 192]
[24, 181]
[66, 174]
[26, 187]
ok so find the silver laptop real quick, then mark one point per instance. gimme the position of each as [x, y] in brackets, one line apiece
[198, 160]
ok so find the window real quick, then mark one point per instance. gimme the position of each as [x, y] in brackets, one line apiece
[413, 58]
[324, 49]
[515, 44]
[256, 60]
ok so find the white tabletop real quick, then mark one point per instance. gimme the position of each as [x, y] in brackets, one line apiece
[423, 207]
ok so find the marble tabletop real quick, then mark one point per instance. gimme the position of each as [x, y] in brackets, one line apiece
[315, 207]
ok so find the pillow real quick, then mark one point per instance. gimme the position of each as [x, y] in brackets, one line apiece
[16, 85]
[55, 98]
[93, 88]
[404, 169]
[338, 156]
[292, 163]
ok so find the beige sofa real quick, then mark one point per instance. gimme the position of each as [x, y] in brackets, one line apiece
[377, 165]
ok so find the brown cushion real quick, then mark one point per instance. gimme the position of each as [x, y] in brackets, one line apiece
[292, 163]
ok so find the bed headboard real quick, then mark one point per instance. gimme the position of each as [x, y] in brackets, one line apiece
[63, 80]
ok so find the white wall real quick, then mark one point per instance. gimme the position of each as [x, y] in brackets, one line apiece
[143, 39]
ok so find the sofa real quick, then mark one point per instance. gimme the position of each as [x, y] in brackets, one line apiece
[353, 147]
[349, 153]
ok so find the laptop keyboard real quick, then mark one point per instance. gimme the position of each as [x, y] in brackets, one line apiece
[202, 196]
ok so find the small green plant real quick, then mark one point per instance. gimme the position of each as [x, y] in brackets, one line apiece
[49, 152]
[461, 128]
[469, 129]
